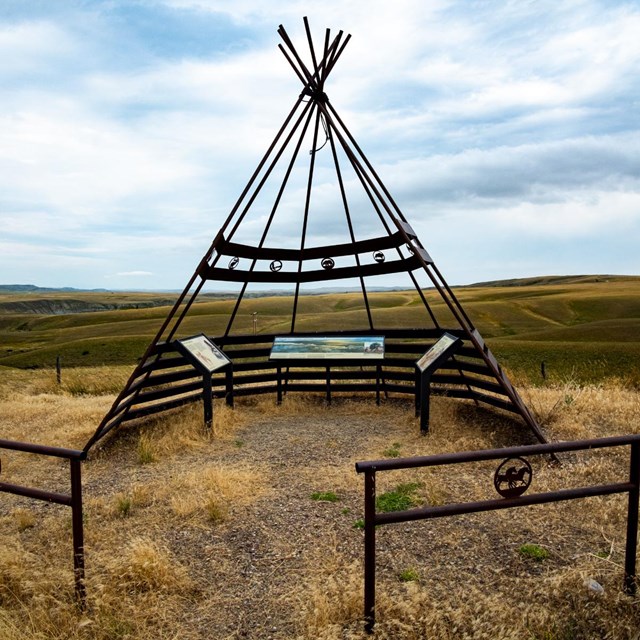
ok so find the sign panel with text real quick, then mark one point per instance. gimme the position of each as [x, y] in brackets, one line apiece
[338, 348]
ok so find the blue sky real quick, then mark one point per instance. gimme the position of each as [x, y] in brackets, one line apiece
[508, 132]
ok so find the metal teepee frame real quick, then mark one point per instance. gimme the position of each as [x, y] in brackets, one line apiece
[163, 380]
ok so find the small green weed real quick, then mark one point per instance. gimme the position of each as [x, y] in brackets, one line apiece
[534, 551]
[239, 443]
[401, 498]
[409, 575]
[325, 496]
[359, 524]
[393, 451]
[346, 511]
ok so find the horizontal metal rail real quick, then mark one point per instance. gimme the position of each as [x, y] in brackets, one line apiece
[167, 380]
[372, 519]
[73, 500]
[42, 449]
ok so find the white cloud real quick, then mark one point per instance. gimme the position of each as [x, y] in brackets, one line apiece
[134, 273]
[24, 47]
[587, 214]
[514, 115]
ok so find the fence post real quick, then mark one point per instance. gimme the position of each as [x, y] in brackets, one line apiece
[369, 549]
[78, 532]
[279, 385]
[630, 581]
[229, 385]
[58, 370]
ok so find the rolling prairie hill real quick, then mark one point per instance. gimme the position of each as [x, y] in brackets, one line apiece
[584, 327]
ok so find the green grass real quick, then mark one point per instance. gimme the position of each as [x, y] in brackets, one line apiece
[325, 496]
[393, 451]
[586, 329]
[534, 551]
[409, 575]
[581, 362]
[400, 499]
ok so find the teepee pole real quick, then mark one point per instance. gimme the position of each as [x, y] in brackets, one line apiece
[359, 172]
[268, 171]
[285, 181]
[315, 105]
[447, 295]
[309, 81]
[375, 184]
[336, 57]
[345, 203]
[307, 205]
[443, 288]
[366, 185]
[311, 48]
[312, 82]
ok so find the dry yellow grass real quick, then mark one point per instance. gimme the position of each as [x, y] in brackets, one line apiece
[146, 566]
[218, 535]
[212, 492]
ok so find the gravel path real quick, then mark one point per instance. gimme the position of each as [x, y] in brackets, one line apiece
[270, 546]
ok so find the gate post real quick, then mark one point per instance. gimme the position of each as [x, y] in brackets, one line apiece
[369, 549]
[77, 532]
[630, 581]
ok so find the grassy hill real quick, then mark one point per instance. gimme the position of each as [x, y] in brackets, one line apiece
[253, 529]
[586, 327]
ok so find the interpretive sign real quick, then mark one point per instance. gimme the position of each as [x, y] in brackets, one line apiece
[438, 352]
[203, 353]
[327, 347]
[436, 356]
[206, 358]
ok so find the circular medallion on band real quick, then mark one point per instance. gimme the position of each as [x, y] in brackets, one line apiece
[233, 263]
[513, 477]
[328, 263]
[275, 266]
[379, 257]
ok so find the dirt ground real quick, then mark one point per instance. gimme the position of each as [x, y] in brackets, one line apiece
[265, 559]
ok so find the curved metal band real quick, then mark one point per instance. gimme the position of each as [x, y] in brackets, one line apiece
[319, 275]
[312, 253]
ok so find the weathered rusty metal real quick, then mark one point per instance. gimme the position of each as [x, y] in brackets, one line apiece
[373, 519]
[396, 250]
[73, 500]
[513, 477]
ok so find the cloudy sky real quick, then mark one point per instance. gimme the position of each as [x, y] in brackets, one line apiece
[508, 132]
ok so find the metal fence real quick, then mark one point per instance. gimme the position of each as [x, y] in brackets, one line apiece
[72, 499]
[373, 519]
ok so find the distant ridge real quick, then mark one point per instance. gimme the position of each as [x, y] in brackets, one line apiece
[509, 282]
[551, 280]
[32, 288]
